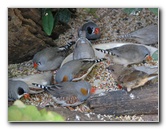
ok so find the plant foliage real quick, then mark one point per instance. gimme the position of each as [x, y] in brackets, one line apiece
[133, 11]
[50, 20]
[21, 112]
[155, 55]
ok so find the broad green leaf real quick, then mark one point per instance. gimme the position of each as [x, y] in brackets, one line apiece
[31, 113]
[48, 21]
[64, 15]
[19, 104]
[155, 55]
[50, 116]
[14, 114]
[154, 10]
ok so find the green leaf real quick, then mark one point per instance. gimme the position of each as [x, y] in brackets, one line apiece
[64, 15]
[154, 10]
[155, 55]
[52, 116]
[31, 113]
[87, 9]
[14, 114]
[132, 11]
[48, 21]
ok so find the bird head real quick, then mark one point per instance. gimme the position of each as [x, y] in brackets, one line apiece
[97, 31]
[23, 91]
[35, 65]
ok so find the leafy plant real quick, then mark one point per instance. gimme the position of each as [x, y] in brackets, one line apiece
[21, 112]
[154, 10]
[91, 11]
[155, 55]
[133, 11]
[50, 20]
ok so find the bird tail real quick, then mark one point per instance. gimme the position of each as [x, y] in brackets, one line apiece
[103, 51]
[125, 36]
[94, 60]
[67, 46]
[40, 86]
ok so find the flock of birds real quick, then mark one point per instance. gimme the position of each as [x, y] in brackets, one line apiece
[67, 92]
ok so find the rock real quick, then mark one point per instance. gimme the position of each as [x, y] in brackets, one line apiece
[26, 36]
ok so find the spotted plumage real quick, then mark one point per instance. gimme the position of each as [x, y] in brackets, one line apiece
[68, 93]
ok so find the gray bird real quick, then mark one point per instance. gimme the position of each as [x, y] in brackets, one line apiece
[92, 30]
[146, 35]
[83, 48]
[71, 69]
[68, 93]
[44, 78]
[50, 58]
[128, 54]
[17, 89]
[130, 77]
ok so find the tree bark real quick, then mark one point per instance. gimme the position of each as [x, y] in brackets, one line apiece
[143, 100]
[25, 34]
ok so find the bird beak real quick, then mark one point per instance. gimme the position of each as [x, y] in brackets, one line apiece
[97, 31]
[26, 96]
[93, 90]
[148, 58]
[35, 65]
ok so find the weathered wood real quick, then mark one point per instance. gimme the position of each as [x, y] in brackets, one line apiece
[143, 100]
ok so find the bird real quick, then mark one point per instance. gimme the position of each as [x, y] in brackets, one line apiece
[146, 35]
[92, 30]
[17, 89]
[83, 48]
[129, 77]
[50, 58]
[71, 69]
[68, 93]
[44, 78]
[128, 54]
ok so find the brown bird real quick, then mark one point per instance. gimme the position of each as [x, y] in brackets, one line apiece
[130, 77]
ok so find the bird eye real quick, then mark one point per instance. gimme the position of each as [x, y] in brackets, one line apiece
[20, 91]
[39, 63]
[89, 30]
[112, 70]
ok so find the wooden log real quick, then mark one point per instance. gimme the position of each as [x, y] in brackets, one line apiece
[143, 100]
